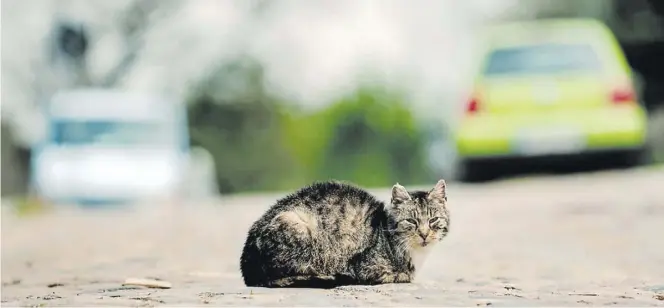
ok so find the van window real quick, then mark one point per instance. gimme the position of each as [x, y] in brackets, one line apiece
[70, 132]
[543, 59]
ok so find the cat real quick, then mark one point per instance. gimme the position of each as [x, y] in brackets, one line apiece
[332, 233]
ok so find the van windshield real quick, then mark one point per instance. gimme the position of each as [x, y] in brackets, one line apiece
[543, 59]
[112, 133]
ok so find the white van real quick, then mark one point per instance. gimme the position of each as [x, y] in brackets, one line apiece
[108, 146]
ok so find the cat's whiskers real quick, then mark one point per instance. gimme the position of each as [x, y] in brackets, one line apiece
[403, 245]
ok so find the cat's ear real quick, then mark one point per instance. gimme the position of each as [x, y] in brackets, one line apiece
[439, 191]
[399, 194]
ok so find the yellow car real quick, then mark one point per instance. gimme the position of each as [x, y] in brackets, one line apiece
[549, 88]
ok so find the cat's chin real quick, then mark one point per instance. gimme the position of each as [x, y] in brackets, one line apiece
[419, 253]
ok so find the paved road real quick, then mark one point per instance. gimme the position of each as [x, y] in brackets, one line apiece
[573, 240]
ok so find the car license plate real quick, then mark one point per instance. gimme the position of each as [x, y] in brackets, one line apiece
[551, 141]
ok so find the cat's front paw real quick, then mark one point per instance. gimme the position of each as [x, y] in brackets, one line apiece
[386, 278]
[395, 278]
[403, 278]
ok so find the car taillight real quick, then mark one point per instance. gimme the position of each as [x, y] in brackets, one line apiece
[623, 95]
[473, 105]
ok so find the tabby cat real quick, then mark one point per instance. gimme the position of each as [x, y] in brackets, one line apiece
[333, 233]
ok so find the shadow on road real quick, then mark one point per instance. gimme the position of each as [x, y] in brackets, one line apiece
[559, 166]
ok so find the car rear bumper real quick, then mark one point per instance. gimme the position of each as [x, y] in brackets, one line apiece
[596, 155]
[554, 134]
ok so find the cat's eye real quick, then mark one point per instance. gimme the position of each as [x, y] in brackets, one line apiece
[411, 221]
[434, 220]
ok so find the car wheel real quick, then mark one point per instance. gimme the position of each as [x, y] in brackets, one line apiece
[472, 171]
[636, 158]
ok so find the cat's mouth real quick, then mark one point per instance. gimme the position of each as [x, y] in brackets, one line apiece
[421, 243]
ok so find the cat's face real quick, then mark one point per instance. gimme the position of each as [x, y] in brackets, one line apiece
[419, 218]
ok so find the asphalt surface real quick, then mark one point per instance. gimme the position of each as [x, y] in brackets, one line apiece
[592, 239]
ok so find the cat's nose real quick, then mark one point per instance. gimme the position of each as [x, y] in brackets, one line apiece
[423, 235]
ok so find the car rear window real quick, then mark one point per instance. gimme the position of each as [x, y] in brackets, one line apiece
[543, 59]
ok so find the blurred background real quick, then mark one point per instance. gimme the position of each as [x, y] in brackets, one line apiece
[106, 101]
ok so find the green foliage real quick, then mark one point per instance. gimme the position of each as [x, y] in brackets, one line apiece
[260, 143]
[231, 117]
[369, 138]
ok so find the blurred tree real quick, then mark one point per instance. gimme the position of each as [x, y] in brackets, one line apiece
[369, 137]
[134, 22]
[232, 117]
[72, 40]
[260, 143]
[15, 160]
[374, 140]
